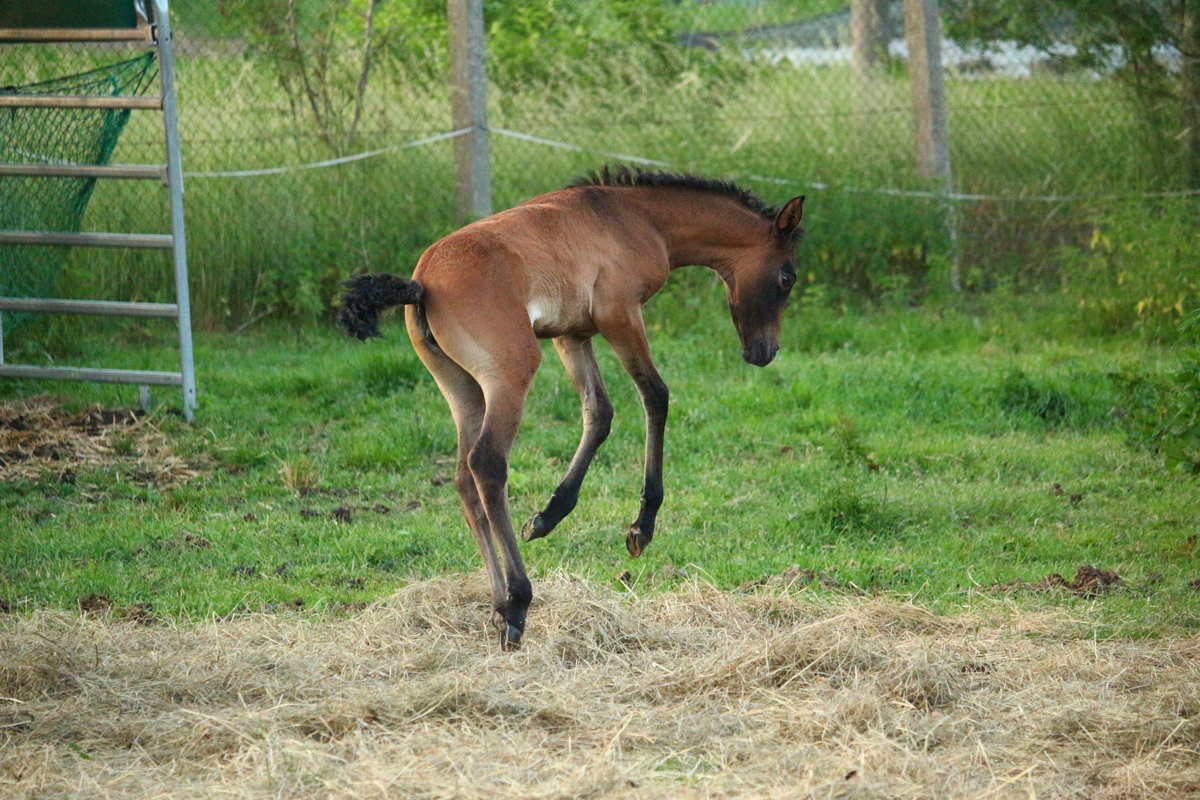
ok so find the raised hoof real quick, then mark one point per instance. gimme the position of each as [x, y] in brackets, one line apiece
[535, 528]
[636, 542]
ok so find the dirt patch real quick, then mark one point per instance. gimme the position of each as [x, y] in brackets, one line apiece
[793, 576]
[688, 693]
[1089, 582]
[94, 605]
[39, 438]
[177, 544]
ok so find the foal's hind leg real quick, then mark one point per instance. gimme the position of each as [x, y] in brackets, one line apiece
[488, 334]
[579, 359]
[465, 398]
[505, 397]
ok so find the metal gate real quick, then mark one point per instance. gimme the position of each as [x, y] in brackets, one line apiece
[105, 21]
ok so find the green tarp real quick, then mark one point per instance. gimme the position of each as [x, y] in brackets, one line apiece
[68, 14]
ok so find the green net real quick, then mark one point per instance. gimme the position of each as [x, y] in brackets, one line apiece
[56, 136]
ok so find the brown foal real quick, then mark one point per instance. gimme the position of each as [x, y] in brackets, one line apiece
[566, 266]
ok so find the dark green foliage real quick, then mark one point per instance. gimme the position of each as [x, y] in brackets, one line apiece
[552, 41]
[396, 370]
[847, 505]
[1017, 394]
[1163, 412]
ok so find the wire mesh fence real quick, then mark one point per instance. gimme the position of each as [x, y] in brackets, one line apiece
[771, 94]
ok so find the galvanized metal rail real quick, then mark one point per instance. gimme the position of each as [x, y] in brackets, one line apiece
[171, 175]
[127, 171]
[109, 308]
[142, 33]
[78, 101]
[144, 241]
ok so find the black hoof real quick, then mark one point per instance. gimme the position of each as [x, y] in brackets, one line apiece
[636, 542]
[510, 633]
[535, 528]
[510, 638]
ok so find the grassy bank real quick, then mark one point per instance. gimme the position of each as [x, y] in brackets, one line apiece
[928, 455]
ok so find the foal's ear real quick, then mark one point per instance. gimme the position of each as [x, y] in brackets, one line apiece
[789, 218]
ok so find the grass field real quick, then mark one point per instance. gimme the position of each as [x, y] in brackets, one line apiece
[928, 455]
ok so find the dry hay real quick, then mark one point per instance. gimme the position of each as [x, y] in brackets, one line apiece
[39, 438]
[692, 693]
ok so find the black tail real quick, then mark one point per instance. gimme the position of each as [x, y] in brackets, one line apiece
[369, 296]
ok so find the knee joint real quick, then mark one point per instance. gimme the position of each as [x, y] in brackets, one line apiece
[599, 419]
[464, 481]
[657, 397]
[487, 465]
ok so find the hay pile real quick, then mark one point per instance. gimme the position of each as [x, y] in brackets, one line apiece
[694, 693]
[38, 439]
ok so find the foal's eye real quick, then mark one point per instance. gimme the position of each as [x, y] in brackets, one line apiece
[786, 280]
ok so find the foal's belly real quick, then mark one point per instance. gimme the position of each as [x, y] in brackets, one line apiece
[553, 316]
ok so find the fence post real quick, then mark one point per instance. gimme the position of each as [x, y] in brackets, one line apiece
[468, 108]
[923, 33]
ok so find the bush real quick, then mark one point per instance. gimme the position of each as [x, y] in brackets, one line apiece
[1139, 270]
[1165, 414]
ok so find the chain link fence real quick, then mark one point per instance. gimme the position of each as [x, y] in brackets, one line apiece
[303, 169]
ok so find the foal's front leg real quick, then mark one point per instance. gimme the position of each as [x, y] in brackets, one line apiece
[580, 360]
[628, 340]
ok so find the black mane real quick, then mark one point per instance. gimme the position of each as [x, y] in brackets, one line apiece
[621, 175]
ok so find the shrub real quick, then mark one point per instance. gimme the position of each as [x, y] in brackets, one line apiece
[1165, 414]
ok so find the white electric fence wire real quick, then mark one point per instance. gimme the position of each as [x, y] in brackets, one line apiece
[332, 162]
[525, 137]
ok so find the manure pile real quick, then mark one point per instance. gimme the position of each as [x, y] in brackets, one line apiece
[692, 693]
[40, 440]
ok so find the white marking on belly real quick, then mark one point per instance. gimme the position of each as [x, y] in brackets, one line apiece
[541, 312]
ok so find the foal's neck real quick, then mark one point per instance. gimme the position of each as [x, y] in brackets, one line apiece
[704, 229]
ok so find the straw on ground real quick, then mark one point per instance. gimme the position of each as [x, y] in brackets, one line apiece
[692, 693]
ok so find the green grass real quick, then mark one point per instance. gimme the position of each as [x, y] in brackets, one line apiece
[911, 452]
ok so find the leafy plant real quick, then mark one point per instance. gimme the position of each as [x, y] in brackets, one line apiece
[1164, 413]
[1138, 270]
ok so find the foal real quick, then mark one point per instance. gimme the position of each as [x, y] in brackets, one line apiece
[566, 266]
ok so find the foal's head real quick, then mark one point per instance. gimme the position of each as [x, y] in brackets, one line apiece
[760, 282]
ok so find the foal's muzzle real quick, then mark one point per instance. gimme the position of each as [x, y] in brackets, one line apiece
[760, 353]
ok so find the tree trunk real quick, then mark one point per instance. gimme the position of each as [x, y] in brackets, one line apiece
[869, 33]
[1189, 45]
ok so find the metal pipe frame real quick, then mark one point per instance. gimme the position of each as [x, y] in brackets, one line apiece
[127, 171]
[107, 308]
[175, 180]
[78, 101]
[134, 376]
[160, 34]
[16, 35]
[142, 241]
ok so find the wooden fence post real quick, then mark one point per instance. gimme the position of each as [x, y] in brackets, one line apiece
[468, 108]
[924, 36]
